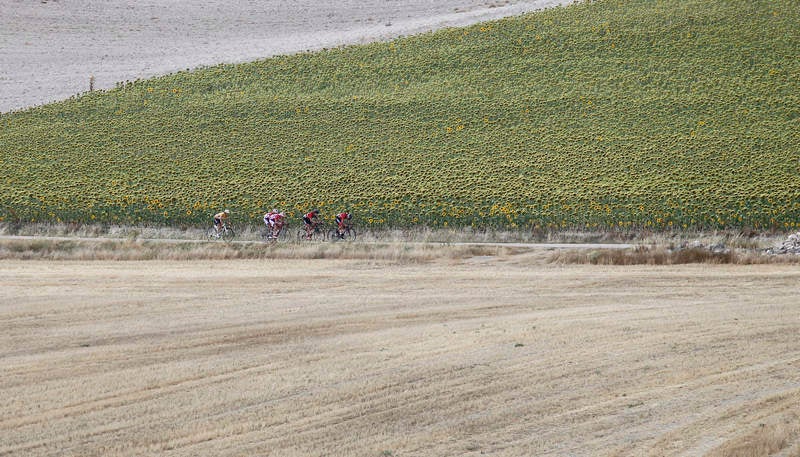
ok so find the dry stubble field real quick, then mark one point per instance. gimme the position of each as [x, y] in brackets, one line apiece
[503, 356]
[49, 48]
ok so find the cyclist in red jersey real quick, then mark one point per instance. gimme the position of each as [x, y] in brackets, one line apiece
[311, 220]
[275, 221]
[342, 222]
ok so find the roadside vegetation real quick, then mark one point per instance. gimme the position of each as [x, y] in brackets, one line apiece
[378, 252]
[660, 255]
[411, 246]
[254, 232]
[639, 115]
[132, 249]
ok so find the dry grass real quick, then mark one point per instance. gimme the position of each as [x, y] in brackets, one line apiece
[73, 248]
[644, 255]
[64, 242]
[104, 231]
[781, 434]
[112, 249]
[478, 356]
[740, 239]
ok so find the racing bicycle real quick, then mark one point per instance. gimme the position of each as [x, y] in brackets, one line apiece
[270, 236]
[348, 234]
[226, 233]
[318, 233]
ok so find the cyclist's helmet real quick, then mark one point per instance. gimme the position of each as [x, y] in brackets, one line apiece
[274, 211]
[227, 211]
[349, 216]
[316, 211]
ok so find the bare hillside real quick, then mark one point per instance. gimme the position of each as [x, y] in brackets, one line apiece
[50, 48]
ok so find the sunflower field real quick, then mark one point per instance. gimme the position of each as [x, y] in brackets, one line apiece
[657, 114]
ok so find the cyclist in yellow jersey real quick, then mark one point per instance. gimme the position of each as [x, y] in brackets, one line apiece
[221, 217]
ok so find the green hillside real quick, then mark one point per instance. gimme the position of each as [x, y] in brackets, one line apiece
[642, 113]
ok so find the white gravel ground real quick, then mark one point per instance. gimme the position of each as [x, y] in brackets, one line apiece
[50, 48]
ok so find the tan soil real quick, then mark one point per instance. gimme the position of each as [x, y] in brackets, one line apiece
[494, 356]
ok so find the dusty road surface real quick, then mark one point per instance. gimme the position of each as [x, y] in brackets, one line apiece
[50, 48]
[484, 356]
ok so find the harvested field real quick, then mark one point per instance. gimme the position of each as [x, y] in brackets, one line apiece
[493, 355]
[51, 48]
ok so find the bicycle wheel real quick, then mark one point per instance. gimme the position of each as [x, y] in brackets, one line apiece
[350, 234]
[228, 234]
[301, 235]
[333, 235]
[283, 234]
[273, 238]
[266, 235]
[211, 234]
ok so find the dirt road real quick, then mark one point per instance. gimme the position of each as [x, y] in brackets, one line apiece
[503, 357]
[50, 48]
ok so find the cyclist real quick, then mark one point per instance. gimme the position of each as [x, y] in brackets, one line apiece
[274, 221]
[279, 220]
[268, 218]
[342, 222]
[311, 220]
[220, 218]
